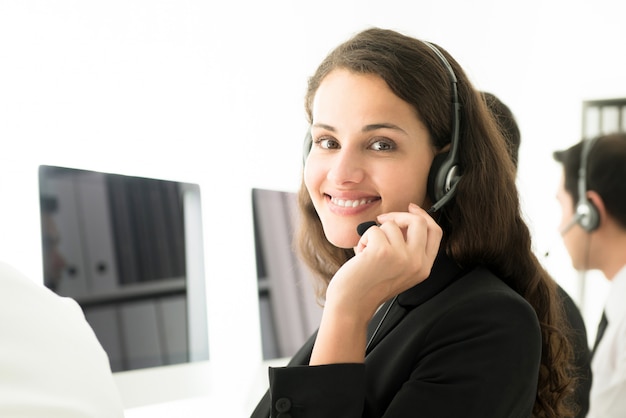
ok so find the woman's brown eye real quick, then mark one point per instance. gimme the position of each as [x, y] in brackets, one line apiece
[328, 143]
[382, 146]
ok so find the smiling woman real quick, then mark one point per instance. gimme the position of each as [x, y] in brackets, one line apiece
[365, 135]
[440, 313]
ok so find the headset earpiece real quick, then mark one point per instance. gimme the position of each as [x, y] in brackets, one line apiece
[435, 186]
[442, 180]
[588, 216]
[586, 212]
[306, 147]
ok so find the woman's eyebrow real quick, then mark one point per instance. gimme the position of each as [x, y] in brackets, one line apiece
[323, 126]
[376, 126]
[366, 128]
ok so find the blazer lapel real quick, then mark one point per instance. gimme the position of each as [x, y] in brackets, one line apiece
[443, 273]
[390, 314]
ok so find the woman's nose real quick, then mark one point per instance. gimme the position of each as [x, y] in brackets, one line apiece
[346, 167]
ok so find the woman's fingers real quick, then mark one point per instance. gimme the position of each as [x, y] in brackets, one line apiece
[415, 228]
[434, 231]
[413, 236]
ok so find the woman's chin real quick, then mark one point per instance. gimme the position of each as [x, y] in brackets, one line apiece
[343, 241]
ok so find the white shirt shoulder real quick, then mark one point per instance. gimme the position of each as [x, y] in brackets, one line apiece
[51, 363]
[608, 389]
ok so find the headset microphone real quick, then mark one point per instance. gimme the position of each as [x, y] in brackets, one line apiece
[362, 227]
[566, 228]
[451, 190]
[570, 224]
[562, 231]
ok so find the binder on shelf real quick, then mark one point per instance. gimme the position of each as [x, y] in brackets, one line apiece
[290, 296]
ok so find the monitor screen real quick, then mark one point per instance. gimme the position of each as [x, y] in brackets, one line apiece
[129, 251]
[289, 310]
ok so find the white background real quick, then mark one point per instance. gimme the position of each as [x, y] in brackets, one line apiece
[212, 92]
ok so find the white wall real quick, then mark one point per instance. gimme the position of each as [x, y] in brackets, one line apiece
[211, 92]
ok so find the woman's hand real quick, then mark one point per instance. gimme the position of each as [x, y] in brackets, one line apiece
[389, 259]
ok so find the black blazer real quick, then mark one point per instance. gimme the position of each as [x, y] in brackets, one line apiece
[459, 344]
[582, 354]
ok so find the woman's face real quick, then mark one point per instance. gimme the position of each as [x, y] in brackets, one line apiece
[370, 154]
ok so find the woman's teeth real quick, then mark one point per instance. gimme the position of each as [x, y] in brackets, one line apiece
[350, 203]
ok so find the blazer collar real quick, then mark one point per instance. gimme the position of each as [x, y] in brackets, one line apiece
[443, 273]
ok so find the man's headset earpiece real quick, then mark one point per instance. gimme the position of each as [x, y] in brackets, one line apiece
[444, 172]
[587, 214]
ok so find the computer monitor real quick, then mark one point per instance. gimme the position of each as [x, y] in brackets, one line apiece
[129, 250]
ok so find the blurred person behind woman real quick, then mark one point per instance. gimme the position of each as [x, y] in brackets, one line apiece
[592, 196]
[578, 333]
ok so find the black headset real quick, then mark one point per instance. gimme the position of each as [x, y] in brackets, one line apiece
[444, 172]
[587, 214]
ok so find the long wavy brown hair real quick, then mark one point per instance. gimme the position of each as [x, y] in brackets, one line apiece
[483, 224]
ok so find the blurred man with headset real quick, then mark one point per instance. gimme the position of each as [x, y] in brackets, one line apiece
[592, 195]
[578, 336]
